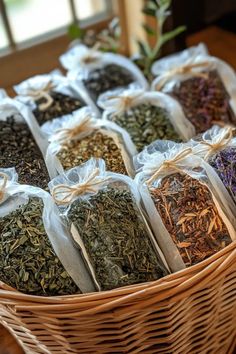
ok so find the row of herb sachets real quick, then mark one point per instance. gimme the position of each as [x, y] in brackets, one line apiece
[140, 117]
[204, 86]
[104, 231]
[98, 238]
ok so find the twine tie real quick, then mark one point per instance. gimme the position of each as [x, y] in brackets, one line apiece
[3, 185]
[224, 141]
[184, 69]
[64, 194]
[70, 133]
[44, 92]
[168, 164]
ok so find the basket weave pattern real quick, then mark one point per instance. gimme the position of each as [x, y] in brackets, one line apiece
[192, 311]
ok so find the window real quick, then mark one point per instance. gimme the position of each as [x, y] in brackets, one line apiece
[24, 22]
[3, 36]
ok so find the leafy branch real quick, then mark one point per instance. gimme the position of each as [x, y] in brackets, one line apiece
[158, 9]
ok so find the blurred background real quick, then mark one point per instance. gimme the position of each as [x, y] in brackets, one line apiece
[33, 33]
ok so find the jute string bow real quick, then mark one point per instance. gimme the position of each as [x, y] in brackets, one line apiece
[92, 55]
[64, 194]
[67, 134]
[3, 185]
[183, 69]
[124, 102]
[44, 92]
[223, 141]
[170, 164]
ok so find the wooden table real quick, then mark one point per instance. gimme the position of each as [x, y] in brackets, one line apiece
[220, 43]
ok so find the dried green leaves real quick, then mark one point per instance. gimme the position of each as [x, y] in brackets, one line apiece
[28, 262]
[116, 239]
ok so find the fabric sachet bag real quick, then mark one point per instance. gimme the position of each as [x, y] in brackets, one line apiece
[205, 87]
[37, 255]
[104, 215]
[76, 138]
[147, 116]
[186, 205]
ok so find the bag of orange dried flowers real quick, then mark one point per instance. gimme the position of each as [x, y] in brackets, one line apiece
[189, 213]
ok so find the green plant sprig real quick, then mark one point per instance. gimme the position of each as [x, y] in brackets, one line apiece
[159, 9]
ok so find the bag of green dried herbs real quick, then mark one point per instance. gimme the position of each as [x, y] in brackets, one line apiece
[99, 72]
[52, 95]
[76, 138]
[104, 216]
[205, 87]
[37, 254]
[217, 146]
[22, 144]
[186, 204]
[147, 116]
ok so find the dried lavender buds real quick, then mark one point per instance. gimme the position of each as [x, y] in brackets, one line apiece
[115, 238]
[146, 123]
[224, 163]
[191, 218]
[109, 77]
[28, 262]
[18, 149]
[96, 145]
[205, 101]
[61, 105]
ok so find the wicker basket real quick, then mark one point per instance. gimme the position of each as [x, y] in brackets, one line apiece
[192, 311]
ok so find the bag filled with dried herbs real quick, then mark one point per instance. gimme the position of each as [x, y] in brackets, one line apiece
[187, 207]
[205, 87]
[217, 146]
[37, 255]
[51, 96]
[106, 221]
[99, 72]
[147, 116]
[76, 138]
[22, 144]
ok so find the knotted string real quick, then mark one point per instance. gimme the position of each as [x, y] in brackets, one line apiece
[224, 141]
[64, 194]
[44, 92]
[64, 134]
[124, 102]
[3, 185]
[170, 164]
[92, 55]
[183, 69]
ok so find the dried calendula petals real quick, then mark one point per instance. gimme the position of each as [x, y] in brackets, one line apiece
[96, 145]
[192, 219]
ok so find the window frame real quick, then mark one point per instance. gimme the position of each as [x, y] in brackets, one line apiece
[44, 37]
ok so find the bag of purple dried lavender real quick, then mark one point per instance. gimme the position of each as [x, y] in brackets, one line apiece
[218, 147]
[205, 86]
